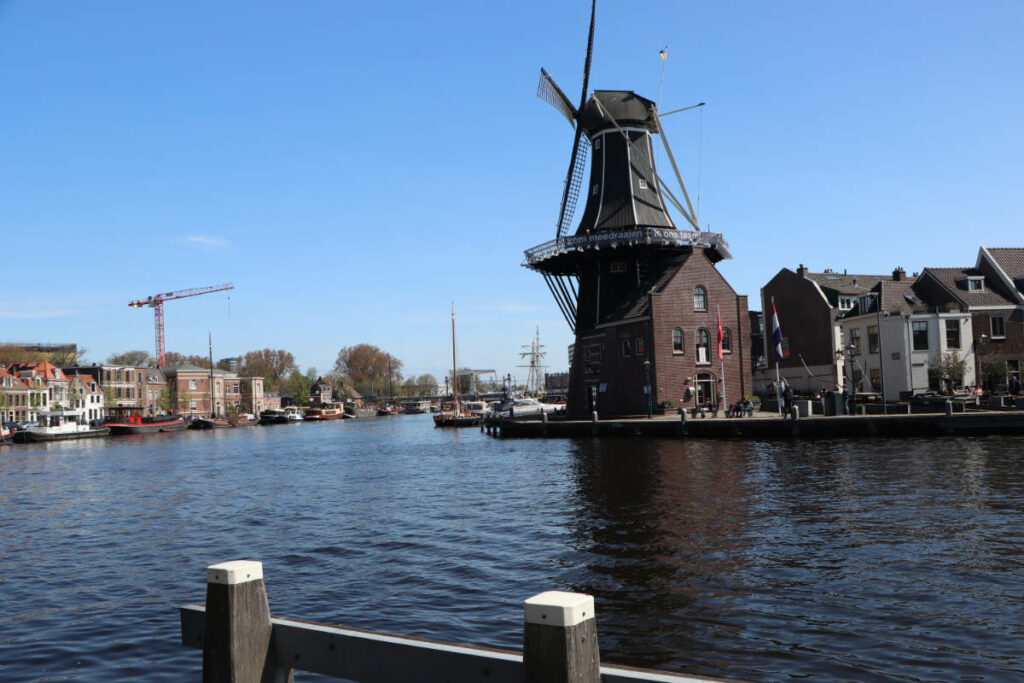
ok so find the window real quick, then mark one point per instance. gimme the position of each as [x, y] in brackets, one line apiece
[643, 184]
[919, 331]
[876, 379]
[193, 405]
[847, 302]
[998, 323]
[677, 340]
[617, 267]
[627, 348]
[700, 298]
[726, 340]
[855, 340]
[594, 191]
[872, 338]
[976, 284]
[703, 346]
[952, 334]
[640, 347]
[191, 384]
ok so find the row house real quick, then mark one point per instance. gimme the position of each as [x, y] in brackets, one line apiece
[85, 397]
[190, 390]
[129, 387]
[46, 376]
[810, 307]
[20, 399]
[945, 328]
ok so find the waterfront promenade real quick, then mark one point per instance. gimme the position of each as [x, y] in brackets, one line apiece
[765, 425]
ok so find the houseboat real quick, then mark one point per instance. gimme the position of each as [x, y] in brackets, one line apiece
[129, 420]
[58, 425]
[273, 416]
[327, 411]
[412, 407]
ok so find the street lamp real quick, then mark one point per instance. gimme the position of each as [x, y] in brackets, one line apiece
[647, 389]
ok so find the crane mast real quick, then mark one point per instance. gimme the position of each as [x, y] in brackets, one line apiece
[156, 302]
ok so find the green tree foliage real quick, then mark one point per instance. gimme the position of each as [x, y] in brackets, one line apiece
[273, 365]
[297, 387]
[426, 385]
[993, 370]
[137, 357]
[409, 387]
[164, 401]
[948, 367]
[369, 369]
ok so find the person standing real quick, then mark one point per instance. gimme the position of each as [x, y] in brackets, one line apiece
[1014, 385]
[787, 397]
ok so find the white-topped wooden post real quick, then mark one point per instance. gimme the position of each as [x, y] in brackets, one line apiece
[236, 642]
[560, 639]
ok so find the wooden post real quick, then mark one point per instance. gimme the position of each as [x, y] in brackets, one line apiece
[236, 645]
[560, 639]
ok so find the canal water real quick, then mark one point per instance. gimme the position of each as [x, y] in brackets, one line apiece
[852, 560]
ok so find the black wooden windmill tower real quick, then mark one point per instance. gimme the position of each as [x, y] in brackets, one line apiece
[626, 242]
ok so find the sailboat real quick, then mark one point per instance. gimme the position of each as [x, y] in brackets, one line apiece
[456, 417]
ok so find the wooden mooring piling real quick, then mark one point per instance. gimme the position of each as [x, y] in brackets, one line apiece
[243, 643]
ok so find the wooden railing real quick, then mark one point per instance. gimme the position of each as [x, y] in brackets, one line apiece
[242, 643]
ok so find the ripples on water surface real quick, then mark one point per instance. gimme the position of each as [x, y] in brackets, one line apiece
[842, 560]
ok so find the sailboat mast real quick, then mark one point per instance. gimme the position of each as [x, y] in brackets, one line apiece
[455, 370]
[213, 400]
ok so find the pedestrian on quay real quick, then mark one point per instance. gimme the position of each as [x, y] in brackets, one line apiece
[787, 398]
[1014, 385]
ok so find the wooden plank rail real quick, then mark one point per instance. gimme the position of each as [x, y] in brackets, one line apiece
[242, 643]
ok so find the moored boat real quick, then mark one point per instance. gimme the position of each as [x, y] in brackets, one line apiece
[325, 412]
[273, 416]
[59, 425]
[131, 421]
[243, 420]
[209, 423]
[415, 407]
[293, 414]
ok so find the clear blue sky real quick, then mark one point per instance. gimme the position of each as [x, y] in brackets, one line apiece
[354, 167]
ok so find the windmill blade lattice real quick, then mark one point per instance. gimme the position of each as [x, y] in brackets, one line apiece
[549, 91]
[574, 182]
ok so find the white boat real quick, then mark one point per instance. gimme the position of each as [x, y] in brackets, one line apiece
[416, 406]
[293, 414]
[58, 425]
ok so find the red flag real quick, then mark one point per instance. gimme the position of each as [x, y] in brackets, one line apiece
[721, 335]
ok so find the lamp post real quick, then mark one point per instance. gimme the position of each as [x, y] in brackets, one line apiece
[881, 357]
[851, 352]
[647, 388]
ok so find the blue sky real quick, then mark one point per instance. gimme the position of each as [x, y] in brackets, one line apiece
[355, 167]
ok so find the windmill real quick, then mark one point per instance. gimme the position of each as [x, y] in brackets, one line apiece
[626, 245]
[626, 203]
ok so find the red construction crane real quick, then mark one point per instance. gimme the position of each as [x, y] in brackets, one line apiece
[156, 302]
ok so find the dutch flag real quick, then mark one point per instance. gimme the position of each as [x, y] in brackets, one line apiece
[776, 333]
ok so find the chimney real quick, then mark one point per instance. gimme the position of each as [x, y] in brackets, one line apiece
[802, 271]
[899, 275]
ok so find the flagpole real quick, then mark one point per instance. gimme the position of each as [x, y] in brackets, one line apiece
[775, 328]
[721, 358]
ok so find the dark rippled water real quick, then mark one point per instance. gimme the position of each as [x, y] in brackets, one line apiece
[853, 560]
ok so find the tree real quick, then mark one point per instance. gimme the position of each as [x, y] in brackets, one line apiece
[273, 365]
[137, 357]
[66, 359]
[164, 401]
[297, 387]
[225, 363]
[368, 368]
[410, 387]
[948, 367]
[184, 399]
[108, 397]
[426, 385]
[9, 353]
[993, 370]
[173, 359]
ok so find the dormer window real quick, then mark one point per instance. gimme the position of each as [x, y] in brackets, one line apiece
[976, 284]
[847, 302]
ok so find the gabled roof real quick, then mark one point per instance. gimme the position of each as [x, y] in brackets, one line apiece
[955, 280]
[16, 382]
[1011, 260]
[843, 283]
[899, 297]
[43, 369]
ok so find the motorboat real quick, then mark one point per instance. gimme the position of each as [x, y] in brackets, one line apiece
[59, 425]
[293, 414]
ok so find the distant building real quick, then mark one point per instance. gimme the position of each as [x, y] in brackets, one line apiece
[556, 382]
